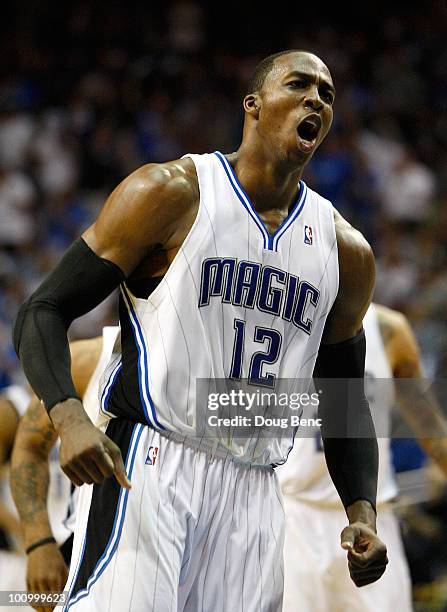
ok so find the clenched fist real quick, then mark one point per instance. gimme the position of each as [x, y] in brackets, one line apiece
[86, 454]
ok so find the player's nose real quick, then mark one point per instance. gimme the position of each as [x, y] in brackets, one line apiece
[313, 99]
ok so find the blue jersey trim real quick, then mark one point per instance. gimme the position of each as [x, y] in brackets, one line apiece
[243, 197]
[109, 386]
[73, 581]
[117, 529]
[270, 240]
[142, 363]
[294, 214]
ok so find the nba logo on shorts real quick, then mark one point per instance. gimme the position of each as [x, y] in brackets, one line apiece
[307, 234]
[151, 455]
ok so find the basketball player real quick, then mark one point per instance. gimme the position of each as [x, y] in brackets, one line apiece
[258, 271]
[316, 579]
[13, 402]
[41, 520]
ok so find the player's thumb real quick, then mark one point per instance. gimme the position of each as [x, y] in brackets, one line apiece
[118, 466]
[348, 536]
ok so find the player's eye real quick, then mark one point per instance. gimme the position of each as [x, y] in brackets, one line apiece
[328, 97]
[297, 83]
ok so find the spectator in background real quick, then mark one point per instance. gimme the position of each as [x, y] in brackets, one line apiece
[16, 133]
[408, 190]
[397, 267]
[17, 199]
[331, 173]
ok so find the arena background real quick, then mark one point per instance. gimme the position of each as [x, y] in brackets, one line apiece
[89, 91]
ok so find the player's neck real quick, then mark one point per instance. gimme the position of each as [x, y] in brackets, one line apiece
[269, 184]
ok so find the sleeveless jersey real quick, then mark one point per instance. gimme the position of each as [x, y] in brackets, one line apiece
[236, 302]
[305, 475]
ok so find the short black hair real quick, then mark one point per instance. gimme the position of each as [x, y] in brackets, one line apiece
[263, 68]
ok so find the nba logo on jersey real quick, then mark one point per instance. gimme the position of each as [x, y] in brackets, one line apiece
[151, 455]
[307, 234]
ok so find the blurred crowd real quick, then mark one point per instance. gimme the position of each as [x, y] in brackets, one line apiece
[89, 92]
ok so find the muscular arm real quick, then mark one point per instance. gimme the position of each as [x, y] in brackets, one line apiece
[417, 404]
[34, 440]
[145, 214]
[348, 434]
[140, 217]
[29, 471]
[356, 284]
[341, 358]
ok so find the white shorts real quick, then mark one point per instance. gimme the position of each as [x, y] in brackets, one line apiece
[195, 533]
[316, 576]
[12, 576]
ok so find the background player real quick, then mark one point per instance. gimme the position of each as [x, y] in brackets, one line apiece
[13, 403]
[316, 578]
[47, 565]
[190, 218]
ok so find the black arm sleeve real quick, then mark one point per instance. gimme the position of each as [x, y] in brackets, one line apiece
[347, 428]
[80, 281]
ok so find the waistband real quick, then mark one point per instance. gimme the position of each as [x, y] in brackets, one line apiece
[211, 448]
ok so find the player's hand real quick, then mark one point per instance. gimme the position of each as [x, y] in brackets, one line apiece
[86, 454]
[46, 572]
[367, 555]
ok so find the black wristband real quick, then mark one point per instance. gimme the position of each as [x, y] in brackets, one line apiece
[348, 432]
[42, 542]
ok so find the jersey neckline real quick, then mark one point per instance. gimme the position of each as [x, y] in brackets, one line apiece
[270, 240]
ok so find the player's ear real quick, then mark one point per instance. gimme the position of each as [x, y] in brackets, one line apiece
[252, 105]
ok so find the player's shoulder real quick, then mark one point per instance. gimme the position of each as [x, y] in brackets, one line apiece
[350, 239]
[355, 255]
[351, 242]
[176, 179]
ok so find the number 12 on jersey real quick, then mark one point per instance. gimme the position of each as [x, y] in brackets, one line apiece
[259, 358]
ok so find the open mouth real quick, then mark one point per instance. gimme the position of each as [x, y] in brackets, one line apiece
[309, 128]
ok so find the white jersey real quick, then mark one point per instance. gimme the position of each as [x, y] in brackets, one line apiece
[305, 476]
[236, 302]
[92, 401]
